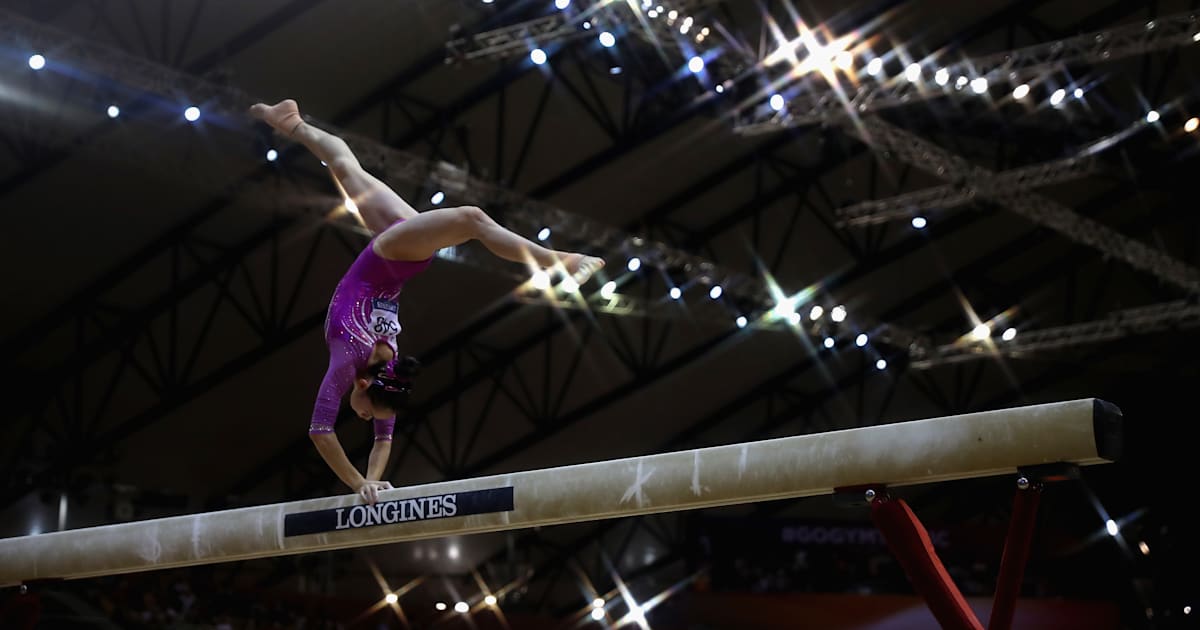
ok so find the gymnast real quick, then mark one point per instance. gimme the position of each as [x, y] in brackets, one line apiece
[361, 325]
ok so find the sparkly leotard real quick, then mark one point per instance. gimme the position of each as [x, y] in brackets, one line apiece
[361, 313]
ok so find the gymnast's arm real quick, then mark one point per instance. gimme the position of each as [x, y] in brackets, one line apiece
[339, 378]
[382, 449]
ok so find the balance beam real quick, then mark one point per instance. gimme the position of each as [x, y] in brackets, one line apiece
[1082, 432]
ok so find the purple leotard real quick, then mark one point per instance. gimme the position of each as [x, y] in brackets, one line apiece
[361, 313]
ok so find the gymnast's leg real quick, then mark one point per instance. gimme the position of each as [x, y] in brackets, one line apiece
[378, 204]
[419, 237]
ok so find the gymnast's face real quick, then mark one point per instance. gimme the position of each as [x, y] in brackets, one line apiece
[361, 403]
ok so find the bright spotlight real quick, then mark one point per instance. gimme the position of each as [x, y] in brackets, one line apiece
[543, 234]
[861, 340]
[561, 4]
[838, 313]
[1009, 334]
[114, 111]
[569, 285]
[490, 600]
[881, 365]
[1058, 96]
[437, 198]
[461, 607]
[272, 155]
[634, 264]
[192, 114]
[598, 602]
[1152, 116]
[598, 614]
[675, 293]
[391, 598]
[1144, 548]
[607, 39]
[829, 342]
[350, 205]
[794, 318]
[913, 72]
[537, 56]
[440, 605]
[1112, 528]
[919, 222]
[874, 66]
[37, 62]
[1078, 92]
[979, 85]
[720, 89]
[715, 292]
[982, 331]
[696, 64]
[540, 280]
[1187, 610]
[816, 312]
[1191, 125]
[777, 102]
[942, 76]
[844, 60]
[608, 290]
[1021, 91]
[741, 321]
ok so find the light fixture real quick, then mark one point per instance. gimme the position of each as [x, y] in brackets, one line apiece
[561, 4]
[1058, 96]
[1009, 334]
[816, 312]
[1152, 116]
[540, 280]
[1191, 125]
[838, 313]
[777, 102]
[861, 340]
[634, 264]
[440, 605]
[537, 56]
[981, 331]
[113, 111]
[1111, 527]
[715, 292]
[919, 222]
[607, 39]
[461, 607]
[437, 198]
[569, 285]
[598, 614]
[272, 155]
[1078, 92]
[37, 62]
[675, 293]
[979, 85]
[829, 342]
[391, 598]
[608, 290]
[598, 602]
[192, 114]
[942, 76]
[695, 64]
[1021, 91]
[490, 600]
[741, 321]
[881, 365]
[543, 234]
[874, 66]
[912, 72]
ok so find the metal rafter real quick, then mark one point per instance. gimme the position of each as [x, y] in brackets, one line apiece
[911, 149]
[823, 103]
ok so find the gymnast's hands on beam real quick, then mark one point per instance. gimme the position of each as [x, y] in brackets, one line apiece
[369, 490]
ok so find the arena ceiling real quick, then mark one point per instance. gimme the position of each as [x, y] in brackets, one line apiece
[165, 283]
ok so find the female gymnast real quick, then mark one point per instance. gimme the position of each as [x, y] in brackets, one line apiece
[361, 325]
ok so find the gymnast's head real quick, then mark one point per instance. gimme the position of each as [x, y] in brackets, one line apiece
[383, 388]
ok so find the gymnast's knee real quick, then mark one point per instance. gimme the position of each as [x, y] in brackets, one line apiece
[472, 219]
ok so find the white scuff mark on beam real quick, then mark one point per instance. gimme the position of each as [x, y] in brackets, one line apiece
[696, 489]
[742, 462]
[636, 488]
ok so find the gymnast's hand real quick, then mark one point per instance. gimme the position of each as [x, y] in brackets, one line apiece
[369, 490]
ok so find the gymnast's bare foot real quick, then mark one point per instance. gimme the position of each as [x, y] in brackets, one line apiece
[283, 116]
[581, 267]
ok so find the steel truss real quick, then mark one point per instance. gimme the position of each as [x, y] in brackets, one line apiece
[911, 149]
[820, 102]
[1176, 315]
